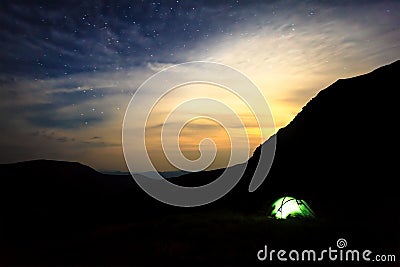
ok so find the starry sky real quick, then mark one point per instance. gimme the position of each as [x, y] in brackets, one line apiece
[68, 69]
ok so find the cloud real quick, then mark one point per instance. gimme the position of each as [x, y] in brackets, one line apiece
[68, 73]
[293, 51]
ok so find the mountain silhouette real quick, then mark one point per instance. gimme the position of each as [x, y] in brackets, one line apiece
[336, 148]
[339, 151]
[339, 154]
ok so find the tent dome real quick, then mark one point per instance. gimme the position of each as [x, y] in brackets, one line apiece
[290, 207]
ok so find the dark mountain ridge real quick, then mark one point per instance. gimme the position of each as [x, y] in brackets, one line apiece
[341, 147]
[338, 150]
[341, 137]
[339, 154]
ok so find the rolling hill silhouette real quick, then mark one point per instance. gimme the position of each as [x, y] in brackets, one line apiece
[339, 153]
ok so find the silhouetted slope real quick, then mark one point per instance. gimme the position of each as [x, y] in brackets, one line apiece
[340, 151]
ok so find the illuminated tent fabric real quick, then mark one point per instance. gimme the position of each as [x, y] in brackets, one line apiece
[289, 207]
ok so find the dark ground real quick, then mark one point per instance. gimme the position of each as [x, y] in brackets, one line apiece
[195, 238]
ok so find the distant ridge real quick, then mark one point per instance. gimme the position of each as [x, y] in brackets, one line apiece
[338, 148]
[166, 174]
[46, 165]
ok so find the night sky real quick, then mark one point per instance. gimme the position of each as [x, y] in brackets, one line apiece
[69, 68]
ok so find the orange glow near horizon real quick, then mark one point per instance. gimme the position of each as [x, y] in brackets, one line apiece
[197, 129]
